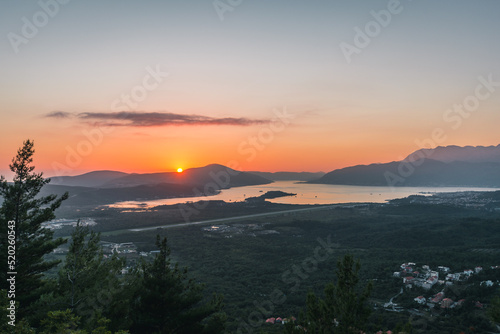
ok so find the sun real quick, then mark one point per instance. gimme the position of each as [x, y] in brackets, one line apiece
[179, 170]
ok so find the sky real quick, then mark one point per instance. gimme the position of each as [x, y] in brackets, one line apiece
[151, 86]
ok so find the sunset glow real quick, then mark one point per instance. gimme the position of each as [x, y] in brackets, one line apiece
[147, 88]
[179, 170]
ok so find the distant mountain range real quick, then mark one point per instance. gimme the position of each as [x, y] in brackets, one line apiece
[458, 153]
[105, 187]
[290, 176]
[221, 176]
[442, 166]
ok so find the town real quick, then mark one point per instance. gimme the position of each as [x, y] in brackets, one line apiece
[437, 287]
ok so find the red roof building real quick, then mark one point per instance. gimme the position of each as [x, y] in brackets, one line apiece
[438, 297]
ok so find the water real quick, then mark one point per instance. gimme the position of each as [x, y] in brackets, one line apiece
[307, 194]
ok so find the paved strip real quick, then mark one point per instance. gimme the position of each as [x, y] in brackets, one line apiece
[218, 220]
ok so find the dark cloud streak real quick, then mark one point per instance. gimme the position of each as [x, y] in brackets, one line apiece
[59, 114]
[150, 119]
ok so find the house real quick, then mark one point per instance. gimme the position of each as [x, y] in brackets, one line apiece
[396, 274]
[420, 299]
[418, 282]
[447, 303]
[408, 279]
[453, 277]
[271, 320]
[487, 283]
[438, 297]
[426, 267]
[478, 269]
[429, 283]
[445, 269]
[468, 272]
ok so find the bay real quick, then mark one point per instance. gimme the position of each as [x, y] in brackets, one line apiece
[306, 193]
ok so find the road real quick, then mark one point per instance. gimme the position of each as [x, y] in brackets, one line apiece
[220, 220]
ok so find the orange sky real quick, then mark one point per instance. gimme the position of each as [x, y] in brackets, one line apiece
[181, 86]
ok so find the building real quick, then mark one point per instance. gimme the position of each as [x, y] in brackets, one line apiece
[468, 272]
[447, 303]
[438, 297]
[430, 282]
[420, 300]
[408, 279]
[487, 283]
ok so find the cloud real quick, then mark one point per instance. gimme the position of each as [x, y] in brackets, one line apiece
[149, 119]
[59, 114]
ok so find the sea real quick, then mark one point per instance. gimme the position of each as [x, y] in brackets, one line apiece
[306, 193]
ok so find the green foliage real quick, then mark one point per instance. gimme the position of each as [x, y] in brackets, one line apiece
[494, 310]
[406, 328]
[66, 322]
[22, 204]
[344, 308]
[61, 322]
[85, 277]
[165, 300]
[86, 283]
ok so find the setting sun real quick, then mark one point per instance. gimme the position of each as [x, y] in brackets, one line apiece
[179, 170]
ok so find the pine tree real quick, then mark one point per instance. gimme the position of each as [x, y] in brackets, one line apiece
[87, 282]
[344, 308]
[164, 300]
[22, 204]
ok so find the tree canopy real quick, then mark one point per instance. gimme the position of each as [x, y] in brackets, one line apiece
[23, 205]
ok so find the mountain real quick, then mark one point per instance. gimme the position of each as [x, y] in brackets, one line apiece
[290, 176]
[92, 179]
[458, 153]
[100, 196]
[478, 167]
[211, 176]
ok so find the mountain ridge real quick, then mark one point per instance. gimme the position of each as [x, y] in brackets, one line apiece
[453, 153]
[442, 166]
[214, 174]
